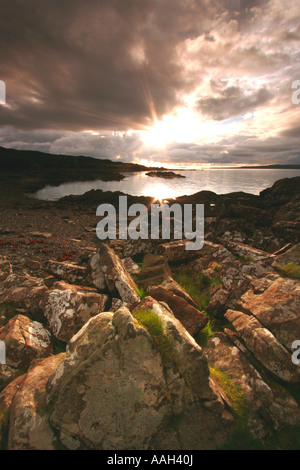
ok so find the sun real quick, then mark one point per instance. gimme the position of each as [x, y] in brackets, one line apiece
[181, 126]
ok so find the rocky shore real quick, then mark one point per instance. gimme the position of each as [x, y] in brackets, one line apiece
[143, 344]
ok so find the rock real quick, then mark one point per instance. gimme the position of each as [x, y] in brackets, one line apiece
[6, 397]
[275, 301]
[29, 427]
[68, 272]
[7, 375]
[25, 341]
[172, 286]
[131, 266]
[95, 275]
[116, 304]
[217, 305]
[116, 275]
[264, 346]
[68, 307]
[191, 318]
[290, 256]
[40, 234]
[25, 292]
[265, 406]
[114, 391]
[154, 272]
[32, 264]
[247, 252]
[5, 269]
[175, 251]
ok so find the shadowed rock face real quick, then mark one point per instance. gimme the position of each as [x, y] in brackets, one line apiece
[113, 390]
[267, 406]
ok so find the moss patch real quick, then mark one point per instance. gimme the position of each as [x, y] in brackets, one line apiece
[155, 327]
[291, 270]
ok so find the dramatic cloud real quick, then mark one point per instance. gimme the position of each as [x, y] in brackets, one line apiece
[174, 81]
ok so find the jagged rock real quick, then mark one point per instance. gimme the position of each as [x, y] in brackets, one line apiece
[6, 397]
[5, 269]
[23, 291]
[172, 286]
[175, 251]
[68, 272]
[267, 407]
[217, 304]
[29, 427]
[290, 256]
[264, 346]
[116, 304]
[131, 266]
[155, 271]
[95, 275]
[116, 275]
[68, 307]
[191, 318]
[245, 251]
[25, 341]
[115, 389]
[275, 301]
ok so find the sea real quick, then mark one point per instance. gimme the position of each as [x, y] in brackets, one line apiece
[220, 181]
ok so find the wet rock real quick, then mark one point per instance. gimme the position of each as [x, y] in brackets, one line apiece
[266, 406]
[25, 341]
[264, 346]
[29, 427]
[68, 307]
[191, 318]
[114, 390]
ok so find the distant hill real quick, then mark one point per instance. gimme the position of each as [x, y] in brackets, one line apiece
[29, 160]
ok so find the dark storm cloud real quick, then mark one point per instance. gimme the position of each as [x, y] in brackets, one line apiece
[232, 102]
[113, 65]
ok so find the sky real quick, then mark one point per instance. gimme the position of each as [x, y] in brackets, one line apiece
[172, 82]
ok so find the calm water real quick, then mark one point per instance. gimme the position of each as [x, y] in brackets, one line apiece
[220, 181]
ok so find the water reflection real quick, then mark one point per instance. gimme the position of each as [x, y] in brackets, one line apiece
[220, 181]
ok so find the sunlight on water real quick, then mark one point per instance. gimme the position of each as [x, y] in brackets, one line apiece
[220, 181]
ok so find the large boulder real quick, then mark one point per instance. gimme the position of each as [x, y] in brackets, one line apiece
[117, 390]
[68, 307]
[29, 427]
[25, 341]
[263, 405]
[264, 346]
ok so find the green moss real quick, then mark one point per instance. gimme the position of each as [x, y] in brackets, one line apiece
[141, 292]
[195, 284]
[246, 259]
[155, 327]
[235, 394]
[205, 334]
[291, 270]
